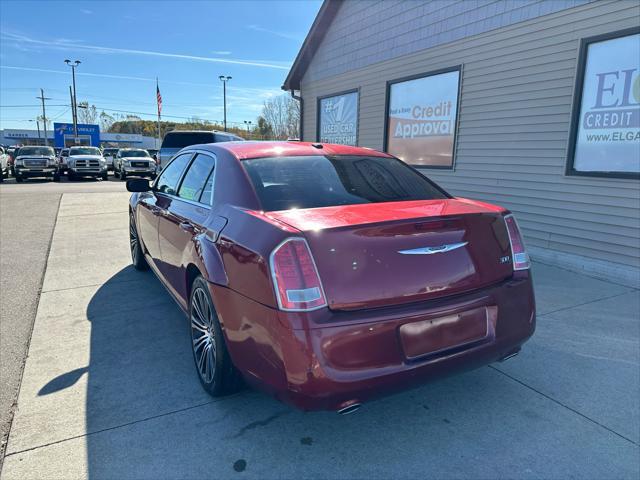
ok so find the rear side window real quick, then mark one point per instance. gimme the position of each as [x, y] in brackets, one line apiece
[195, 180]
[170, 176]
[185, 139]
[283, 183]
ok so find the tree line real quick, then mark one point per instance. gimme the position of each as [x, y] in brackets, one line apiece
[279, 120]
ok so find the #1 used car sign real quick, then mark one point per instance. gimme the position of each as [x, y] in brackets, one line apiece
[421, 119]
[608, 125]
[339, 119]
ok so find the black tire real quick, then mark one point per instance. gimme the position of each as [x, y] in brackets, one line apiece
[71, 176]
[19, 179]
[1, 176]
[137, 254]
[56, 177]
[217, 374]
[123, 176]
[115, 173]
[105, 176]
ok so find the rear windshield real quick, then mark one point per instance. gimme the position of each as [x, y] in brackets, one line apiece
[134, 153]
[45, 151]
[283, 183]
[84, 151]
[184, 139]
[110, 151]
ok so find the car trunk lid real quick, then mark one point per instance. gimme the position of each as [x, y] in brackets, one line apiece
[400, 252]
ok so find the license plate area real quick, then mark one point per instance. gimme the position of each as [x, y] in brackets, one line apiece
[448, 334]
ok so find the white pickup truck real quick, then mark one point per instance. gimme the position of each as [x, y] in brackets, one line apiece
[86, 162]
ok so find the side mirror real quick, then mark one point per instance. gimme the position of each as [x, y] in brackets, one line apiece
[138, 185]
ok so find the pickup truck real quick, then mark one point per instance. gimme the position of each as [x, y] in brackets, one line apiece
[134, 161]
[4, 164]
[33, 162]
[86, 162]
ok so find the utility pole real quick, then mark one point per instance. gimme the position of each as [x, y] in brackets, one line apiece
[44, 117]
[224, 80]
[38, 126]
[74, 103]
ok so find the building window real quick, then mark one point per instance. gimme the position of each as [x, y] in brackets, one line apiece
[605, 128]
[338, 118]
[421, 120]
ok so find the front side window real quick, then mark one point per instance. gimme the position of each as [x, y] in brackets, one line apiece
[195, 180]
[169, 178]
[282, 183]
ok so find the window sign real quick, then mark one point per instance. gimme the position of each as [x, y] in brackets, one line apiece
[606, 123]
[421, 119]
[338, 119]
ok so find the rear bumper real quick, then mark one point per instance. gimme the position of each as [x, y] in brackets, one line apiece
[326, 360]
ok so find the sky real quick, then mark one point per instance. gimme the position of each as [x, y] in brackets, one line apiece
[125, 45]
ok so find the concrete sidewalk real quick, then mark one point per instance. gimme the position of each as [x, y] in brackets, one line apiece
[109, 389]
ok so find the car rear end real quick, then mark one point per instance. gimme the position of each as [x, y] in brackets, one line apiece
[109, 155]
[405, 286]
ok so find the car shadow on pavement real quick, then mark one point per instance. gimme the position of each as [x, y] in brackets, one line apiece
[148, 417]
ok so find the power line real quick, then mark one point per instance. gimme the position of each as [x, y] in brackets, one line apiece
[30, 106]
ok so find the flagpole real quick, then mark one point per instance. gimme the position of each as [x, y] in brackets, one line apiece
[158, 105]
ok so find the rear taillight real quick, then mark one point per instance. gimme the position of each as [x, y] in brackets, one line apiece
[295, 277]
[518, 251]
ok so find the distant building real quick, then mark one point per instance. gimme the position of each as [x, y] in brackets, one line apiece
[63, 132]
[533, 105]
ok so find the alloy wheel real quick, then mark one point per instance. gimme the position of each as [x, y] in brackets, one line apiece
[133, 240]
[203, 339]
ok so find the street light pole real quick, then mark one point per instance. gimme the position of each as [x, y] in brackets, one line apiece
[248, 124]
[224, 79]
[74, 103]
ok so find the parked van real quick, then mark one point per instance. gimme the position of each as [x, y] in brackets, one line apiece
[176, 140]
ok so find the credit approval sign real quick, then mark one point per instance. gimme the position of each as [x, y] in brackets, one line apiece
[421, 121]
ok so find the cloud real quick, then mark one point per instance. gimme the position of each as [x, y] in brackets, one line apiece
[110, 50]
[86, 12]
[287, 35]
[101, 75]
[221, 52]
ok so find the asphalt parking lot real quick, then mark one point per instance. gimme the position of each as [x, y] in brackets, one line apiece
[109, 389]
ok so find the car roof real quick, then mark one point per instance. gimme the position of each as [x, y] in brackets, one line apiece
[247, 150]
[197, 131]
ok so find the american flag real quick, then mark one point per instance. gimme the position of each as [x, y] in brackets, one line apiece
[158, 98]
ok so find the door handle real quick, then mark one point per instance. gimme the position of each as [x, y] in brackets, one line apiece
[187, 227]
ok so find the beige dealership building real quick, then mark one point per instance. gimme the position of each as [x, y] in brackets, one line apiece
[533, 105]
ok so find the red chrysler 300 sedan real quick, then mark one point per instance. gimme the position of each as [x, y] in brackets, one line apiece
[327, 275]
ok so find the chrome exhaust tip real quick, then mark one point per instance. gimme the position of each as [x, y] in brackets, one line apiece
[509, 355]
[351, 408]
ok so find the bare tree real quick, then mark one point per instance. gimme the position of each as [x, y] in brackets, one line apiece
[87, 113]
[106, 121]
[282, 113]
